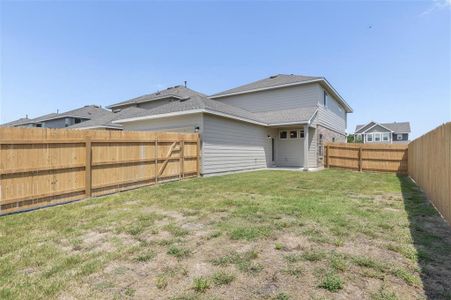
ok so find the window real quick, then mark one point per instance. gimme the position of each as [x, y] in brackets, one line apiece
[385, 136]
[77, 120]
[293, 134]
[333, 140]
[399, 137]
[38, 125]
[301, 133]
[283, 135]
[369, 137]
[377, 137]
[325, 99]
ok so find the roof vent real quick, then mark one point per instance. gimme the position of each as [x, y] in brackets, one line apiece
[273, 76]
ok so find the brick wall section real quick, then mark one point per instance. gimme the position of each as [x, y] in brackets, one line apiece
[327, 137]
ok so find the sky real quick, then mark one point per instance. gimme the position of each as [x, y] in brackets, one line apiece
[390, 60]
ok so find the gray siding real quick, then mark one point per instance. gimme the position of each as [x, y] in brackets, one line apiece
[278, 99]
[229, 145]
[153, 104]
[378, 128]
[333, 116]
[185, 123]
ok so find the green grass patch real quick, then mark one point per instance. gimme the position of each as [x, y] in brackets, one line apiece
[331, 282]
[201, 284]
[222, 278]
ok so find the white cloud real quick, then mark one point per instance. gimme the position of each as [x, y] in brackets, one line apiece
[437, 5]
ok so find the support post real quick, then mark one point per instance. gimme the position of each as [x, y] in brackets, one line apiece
[88, 165]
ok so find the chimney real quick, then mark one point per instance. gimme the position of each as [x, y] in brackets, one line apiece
[185, 82]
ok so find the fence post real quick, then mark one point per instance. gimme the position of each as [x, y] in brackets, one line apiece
[360, 159]
[198, 154]
[182, 159]
[327, 156]
[88, 171]
[156, 158]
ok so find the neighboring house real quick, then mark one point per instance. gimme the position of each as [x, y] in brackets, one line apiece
[283, 120]
[105, 121]
[61, 120]
[373, 132]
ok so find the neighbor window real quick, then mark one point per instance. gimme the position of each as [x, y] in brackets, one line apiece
[385, 136]
[369, 137]
[377, 137]
[333, 140]
[283, 135]
[399, 137]
[325, 99]
[293, 134]
[301, 133]
[77, 120]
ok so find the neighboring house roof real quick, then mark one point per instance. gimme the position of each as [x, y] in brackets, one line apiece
[397, 127]
[198, 103]
[86, 112]
[280, 81]
[106, 120]
[18, 122]
[176, 92]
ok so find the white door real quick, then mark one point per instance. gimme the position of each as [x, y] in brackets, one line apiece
[290, 148]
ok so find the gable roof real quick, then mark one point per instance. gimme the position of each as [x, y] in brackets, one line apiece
[177, 92]
[403, 127]
[198, 104]
[106, 120]
[280, 81]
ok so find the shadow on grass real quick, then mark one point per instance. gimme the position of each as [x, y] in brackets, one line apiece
[431, 237]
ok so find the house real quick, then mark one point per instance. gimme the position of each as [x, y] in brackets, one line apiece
[283, 121]
[374, 132]
[61, 120]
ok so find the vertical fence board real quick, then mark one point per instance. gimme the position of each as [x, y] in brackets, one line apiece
[430, 167]
[40, 166]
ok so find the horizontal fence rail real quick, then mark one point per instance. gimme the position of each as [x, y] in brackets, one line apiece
[365, 157]
[430, 167]
[39, 167]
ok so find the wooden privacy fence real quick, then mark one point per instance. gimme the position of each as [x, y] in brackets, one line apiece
[430, 167]
[368, 157]
[39, 167]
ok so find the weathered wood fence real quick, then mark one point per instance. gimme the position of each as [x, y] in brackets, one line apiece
[430, 167]
[39, 167]
[368, 157]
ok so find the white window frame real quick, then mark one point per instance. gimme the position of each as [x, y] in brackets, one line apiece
[301, 133]
[399, 136]
[325, 98]
[377, 136]
[368, 135]
[289, 134]
[385, 136]
[286, 137]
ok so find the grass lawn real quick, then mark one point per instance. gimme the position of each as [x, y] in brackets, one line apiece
[256, 235]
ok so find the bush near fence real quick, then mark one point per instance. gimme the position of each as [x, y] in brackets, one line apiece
[430, 167]
[368, 157]
[39, 167]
